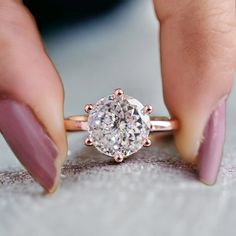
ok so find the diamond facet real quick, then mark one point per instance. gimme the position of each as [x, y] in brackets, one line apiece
[118, 125]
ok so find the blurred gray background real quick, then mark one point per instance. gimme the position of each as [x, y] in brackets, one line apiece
[153, 193]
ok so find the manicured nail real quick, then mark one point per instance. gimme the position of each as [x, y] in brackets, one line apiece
[30, 142]
[210, 152]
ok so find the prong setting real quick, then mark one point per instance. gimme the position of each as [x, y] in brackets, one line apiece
[88, 141]
[147, 142]
[118, 92]
[130, 116]
[147, 109]
[88, 108]
[118, 158]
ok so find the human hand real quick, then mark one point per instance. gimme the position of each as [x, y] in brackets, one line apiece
[31, 97]
[198, 61]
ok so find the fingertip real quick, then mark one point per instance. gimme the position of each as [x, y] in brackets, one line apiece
[189, 137]
[52, 189]
[30, 142]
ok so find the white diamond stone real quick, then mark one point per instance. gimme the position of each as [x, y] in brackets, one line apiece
[118, 125]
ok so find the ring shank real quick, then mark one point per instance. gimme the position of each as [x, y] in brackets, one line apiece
[158, 124]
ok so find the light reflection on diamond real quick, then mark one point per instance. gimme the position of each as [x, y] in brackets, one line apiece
[118, 125]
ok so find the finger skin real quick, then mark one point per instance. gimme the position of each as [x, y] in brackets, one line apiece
[198, 58]
[28, 75]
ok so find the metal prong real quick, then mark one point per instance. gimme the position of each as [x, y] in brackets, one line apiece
[147, 109]
[88, 108]
[88, 141]
[118, 92]
[118, 158]
[147, 142]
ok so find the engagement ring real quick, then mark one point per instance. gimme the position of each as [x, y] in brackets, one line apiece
[119, 125]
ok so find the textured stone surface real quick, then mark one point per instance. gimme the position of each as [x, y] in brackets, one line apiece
[153, 192]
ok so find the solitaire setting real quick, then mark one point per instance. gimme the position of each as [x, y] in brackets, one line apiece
[118, 125]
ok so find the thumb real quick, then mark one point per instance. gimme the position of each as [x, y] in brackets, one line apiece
[31, 98]
[198, 64]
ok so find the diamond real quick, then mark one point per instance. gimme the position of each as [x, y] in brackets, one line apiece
[118, 125]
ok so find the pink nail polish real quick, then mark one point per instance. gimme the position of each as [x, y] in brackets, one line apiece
[210, 152]
[29, 141]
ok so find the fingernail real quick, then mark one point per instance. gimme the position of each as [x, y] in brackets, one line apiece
[30, 142]
[210, 152]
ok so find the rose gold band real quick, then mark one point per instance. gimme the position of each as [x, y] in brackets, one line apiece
[158, 124]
